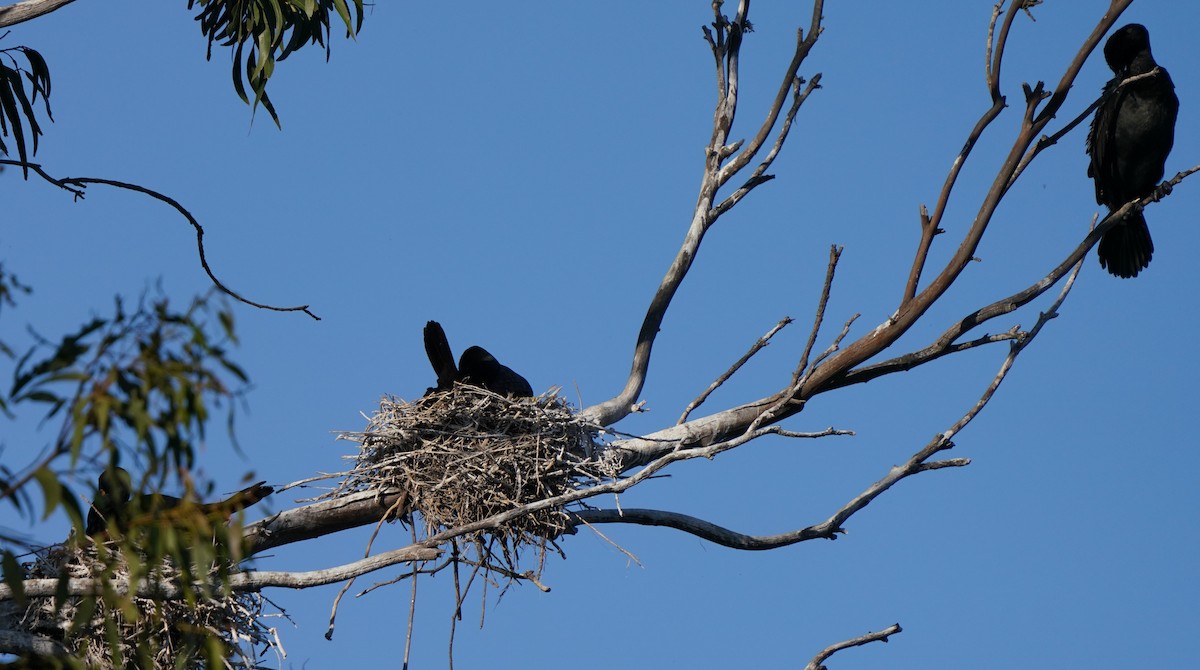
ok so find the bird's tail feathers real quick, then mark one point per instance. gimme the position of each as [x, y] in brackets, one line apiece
[437, 348]
[250, 495]
[1126, 249]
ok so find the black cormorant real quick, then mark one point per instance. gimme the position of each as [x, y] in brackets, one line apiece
[1131, 135]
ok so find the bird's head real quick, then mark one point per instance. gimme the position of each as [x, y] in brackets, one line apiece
[474, 357]
[115, 483]
[1125, 45]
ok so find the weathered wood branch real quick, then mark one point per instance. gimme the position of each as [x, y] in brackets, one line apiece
[11, 15]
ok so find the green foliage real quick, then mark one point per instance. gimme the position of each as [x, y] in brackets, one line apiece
[140, 383]
[262, 32]
[16, 105]
[143, 382]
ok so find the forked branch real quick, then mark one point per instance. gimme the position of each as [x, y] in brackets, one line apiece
[725, 42]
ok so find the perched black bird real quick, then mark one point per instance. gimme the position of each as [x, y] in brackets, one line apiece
[1131, 135]
[114, 495]
[476, 367]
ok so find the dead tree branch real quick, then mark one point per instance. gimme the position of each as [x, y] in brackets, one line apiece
[835, 254]
[725, 42]
[11, 15]
[881, 636]
[1040, 108]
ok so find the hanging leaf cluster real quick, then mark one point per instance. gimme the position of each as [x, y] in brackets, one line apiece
[262, 32]
[18, 122]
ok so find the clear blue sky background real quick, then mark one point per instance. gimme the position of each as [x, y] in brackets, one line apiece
[523, 174]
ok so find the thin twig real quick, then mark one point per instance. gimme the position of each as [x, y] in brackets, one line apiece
[754, 349]
[78, 186]
[835, 254]
[412, 609]
[758, 177]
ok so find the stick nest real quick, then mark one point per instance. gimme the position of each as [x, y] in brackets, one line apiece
[116, 631]
[467, 454]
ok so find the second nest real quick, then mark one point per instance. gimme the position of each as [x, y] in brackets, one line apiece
[468, 454]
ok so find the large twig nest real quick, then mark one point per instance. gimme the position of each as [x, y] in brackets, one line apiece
[467, 454]
[150, 632]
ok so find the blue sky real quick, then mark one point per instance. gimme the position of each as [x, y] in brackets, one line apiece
[524, 175]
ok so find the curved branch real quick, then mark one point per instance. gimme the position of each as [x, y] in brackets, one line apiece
[881, 636]
[20, 12]
[77, 186]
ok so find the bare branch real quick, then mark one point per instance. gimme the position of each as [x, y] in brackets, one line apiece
[933, 352]
[245, 581]
[77, 186]
[997, 47]
[881, 636]
[928, 231]
[759, 176]
[945, 343]
[829, 372]
[989, 77]
[835, 254]
[804, 45]
[20, 12]
[726, 51]
[754, 349]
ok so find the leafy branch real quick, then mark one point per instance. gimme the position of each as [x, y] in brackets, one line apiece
[17, 118]
[262, 32]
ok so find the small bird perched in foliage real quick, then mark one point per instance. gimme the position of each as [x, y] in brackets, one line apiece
[1131, 135]
[115, 505]
[476, 367]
